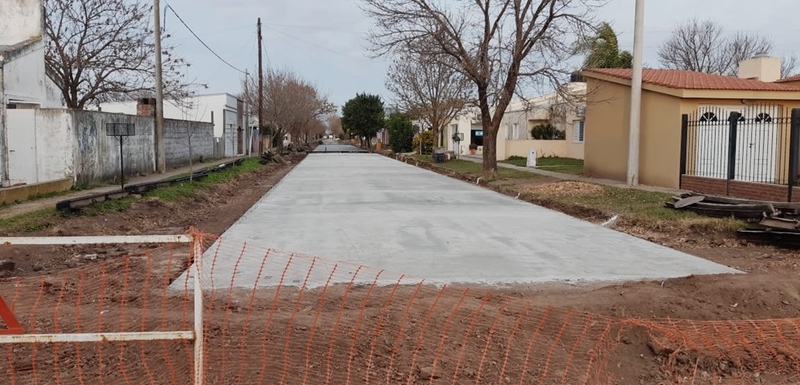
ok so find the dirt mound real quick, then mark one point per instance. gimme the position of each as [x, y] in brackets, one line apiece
[566, 189]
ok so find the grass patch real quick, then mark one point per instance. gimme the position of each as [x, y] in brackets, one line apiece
[643, 208]
[516, 161]
[562, 165]
[475, 169]
[107, 207]
[56, 194]
[187, 190]
[43, 219]
[35, 221]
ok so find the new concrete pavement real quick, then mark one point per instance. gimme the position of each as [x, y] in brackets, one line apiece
[370, 210]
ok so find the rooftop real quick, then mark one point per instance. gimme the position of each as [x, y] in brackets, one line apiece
[690, 80]
[795, 78]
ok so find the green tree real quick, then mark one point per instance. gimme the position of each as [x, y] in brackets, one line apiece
[362, 117]
[602, 50]
[401, 132]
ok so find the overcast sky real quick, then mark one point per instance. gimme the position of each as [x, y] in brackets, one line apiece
[323, 40]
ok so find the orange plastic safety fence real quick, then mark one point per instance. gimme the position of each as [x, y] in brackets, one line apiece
[122, 294]
[281, 318]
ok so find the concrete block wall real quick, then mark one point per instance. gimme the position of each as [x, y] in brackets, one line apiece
[55, 144]
[176, 141]
[97, 156]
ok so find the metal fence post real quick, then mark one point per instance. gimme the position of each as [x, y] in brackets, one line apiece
[198, 311]
[684, 141]
[794, 151]
[733, 122]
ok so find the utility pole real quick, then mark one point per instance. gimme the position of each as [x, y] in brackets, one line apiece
[161, 162]
[248, 133]
[260, 83]
[4, 156]
[636, 96]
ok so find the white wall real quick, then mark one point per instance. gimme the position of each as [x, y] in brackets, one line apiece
[25, 81]
[202, 108]
[40, 145]
[52, 144]
[21, 20]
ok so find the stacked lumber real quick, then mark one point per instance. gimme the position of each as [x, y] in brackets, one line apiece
[774, 223]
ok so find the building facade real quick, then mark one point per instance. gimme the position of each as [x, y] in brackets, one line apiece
[563, 109]
[224, 111]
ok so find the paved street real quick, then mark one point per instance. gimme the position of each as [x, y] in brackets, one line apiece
[339, 148]
[371, 210]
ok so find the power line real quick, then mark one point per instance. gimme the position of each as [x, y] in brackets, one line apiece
[304, 41]
[315, 28]
[201, 40]
[269, 62]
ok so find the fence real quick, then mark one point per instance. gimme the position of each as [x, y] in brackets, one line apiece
[281, 318]
[753, 144]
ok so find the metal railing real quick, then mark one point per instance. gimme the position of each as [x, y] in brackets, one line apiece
[749, 144]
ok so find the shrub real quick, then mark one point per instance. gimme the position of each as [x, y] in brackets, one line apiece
[401, 132]
[427, 142]
[547, 132]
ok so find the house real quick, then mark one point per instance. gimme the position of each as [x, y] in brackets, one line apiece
[224, 111]
[563, 109]
[23, 80]
[685, 134]
[24, 83]
[793, 81]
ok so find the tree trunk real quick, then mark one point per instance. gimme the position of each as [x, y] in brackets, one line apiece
[490, 152]
[489, 133]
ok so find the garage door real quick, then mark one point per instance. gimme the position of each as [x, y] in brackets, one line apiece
[756, 144]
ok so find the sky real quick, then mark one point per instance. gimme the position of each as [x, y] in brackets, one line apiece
[324, 42]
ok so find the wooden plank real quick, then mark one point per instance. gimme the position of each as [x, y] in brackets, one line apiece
[736, 201]
[780, 223]
[689, 201]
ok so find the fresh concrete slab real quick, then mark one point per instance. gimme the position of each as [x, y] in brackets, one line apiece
[370, 210]
[336, 148]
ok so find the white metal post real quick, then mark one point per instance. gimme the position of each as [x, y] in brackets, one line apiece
[636, 96]
[196, 334]
[198, 312]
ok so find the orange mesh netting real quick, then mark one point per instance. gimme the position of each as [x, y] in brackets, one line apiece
[280, 318]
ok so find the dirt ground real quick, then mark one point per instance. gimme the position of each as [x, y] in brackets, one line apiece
[211, 211]
[339, 335]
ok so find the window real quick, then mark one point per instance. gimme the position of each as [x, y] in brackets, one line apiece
[578, 131]
[477, 137]
[516, 131]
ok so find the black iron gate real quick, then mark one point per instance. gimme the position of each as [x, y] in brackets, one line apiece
[757, 144]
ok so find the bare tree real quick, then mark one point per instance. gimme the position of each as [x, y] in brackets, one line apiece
[702, 46]
[189, 129]
[100, 50]
[429, 88]
[335, 125]
[789, 66]
[291, 105]
[499, 45]
[308, 109]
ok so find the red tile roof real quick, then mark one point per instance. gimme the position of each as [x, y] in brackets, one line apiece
[690, 80]
[795, 78]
